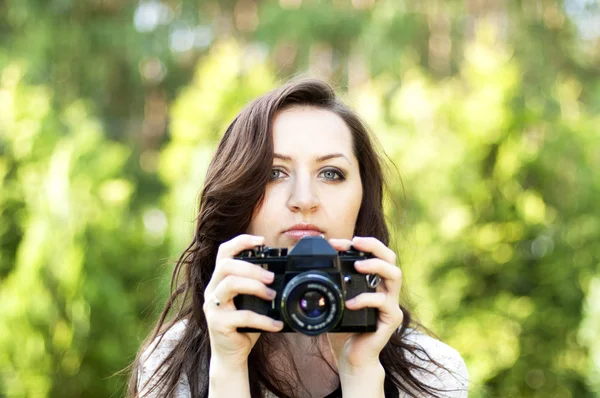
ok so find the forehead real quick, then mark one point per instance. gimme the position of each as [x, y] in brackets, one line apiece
[306, 131]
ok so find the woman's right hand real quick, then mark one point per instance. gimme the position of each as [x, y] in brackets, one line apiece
[230, 278]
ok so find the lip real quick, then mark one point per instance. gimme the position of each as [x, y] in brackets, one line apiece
[304, 227]
[300, 230]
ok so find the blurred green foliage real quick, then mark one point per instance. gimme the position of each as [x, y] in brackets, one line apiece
[110, 112]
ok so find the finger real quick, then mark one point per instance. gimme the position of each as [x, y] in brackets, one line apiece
[226, 251]
[230, 266]
[378, 266]
[241, 242]
[340, 244]
[232, 285]
[391, 274]
[389, 311]
[367, 300]
[230, 321]
[374, 246]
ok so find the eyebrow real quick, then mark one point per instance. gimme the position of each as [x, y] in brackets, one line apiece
[319, 159]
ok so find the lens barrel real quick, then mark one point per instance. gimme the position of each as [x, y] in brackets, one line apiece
[312, 303]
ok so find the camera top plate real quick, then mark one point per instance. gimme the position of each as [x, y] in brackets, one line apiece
[308, 246]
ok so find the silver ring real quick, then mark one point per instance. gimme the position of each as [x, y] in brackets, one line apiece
[373, 280]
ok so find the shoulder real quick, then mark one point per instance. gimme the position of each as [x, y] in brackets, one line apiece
[452, 376]
[153, 356]
[164, 343]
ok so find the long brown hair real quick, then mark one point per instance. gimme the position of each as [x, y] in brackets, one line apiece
[234, 187]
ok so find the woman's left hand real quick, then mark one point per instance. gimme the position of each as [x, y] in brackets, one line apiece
[360, 351]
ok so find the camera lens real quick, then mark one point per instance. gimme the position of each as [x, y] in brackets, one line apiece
[313, 303]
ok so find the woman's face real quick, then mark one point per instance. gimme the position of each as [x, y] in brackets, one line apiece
[314, 186]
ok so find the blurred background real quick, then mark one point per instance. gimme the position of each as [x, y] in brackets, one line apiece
[110, 111]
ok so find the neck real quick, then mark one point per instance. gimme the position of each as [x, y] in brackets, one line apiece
[307, 360]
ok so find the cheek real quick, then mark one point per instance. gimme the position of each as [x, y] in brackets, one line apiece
[345, 206]
[356, 201]
[356, 207]
[263, 215]
[354, 196]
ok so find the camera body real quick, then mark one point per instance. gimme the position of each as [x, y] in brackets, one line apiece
[312, 283]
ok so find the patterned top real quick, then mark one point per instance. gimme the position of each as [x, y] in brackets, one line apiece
[453, 379]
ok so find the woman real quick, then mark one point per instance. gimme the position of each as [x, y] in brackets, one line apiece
[294, 162]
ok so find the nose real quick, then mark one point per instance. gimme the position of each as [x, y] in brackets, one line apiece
[303, 197]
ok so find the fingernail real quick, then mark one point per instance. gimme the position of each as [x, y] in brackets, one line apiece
[271, 293]
[351, 302]
[268, 276]
[359, 263]
[278, 324]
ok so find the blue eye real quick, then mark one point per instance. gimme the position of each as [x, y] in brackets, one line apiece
[275, 174]
[328, 174]
[333, 175]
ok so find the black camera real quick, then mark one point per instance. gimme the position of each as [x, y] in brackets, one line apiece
[312, 283]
